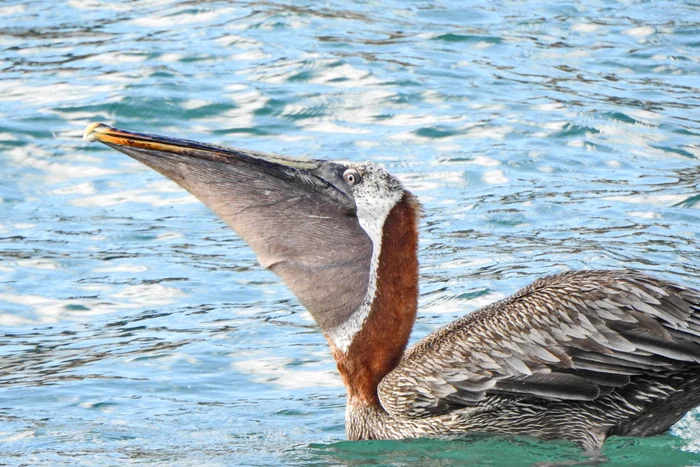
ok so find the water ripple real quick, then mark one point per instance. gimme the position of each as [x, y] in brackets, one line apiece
[134, 327]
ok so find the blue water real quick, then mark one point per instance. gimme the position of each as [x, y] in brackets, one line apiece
[136, 328]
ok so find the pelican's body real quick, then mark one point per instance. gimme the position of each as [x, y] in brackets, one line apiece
[578, 356]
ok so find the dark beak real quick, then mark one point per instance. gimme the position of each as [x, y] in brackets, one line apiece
[297, 214]
[161, 153]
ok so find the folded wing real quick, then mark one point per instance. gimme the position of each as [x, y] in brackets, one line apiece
[573, 336]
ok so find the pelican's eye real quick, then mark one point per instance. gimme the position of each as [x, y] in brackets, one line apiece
[352, 177]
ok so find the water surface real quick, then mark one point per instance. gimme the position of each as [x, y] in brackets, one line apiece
[137, 328]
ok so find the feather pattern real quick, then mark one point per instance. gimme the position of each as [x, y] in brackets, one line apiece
[563, 338]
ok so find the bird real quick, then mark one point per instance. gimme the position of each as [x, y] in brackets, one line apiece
[578, 355]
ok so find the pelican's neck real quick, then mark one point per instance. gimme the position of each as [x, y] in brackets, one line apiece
[377, 347]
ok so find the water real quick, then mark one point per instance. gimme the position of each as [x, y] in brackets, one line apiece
[136, 328]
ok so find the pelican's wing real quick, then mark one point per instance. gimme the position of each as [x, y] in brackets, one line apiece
[572, 336]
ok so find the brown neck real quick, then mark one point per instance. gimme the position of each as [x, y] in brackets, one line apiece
[378, 347]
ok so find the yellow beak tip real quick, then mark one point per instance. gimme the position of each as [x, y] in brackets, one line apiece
[92, 129]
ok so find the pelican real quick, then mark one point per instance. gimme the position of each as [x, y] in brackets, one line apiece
[579, 356]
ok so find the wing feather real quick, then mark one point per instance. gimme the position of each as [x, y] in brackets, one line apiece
[572, 336]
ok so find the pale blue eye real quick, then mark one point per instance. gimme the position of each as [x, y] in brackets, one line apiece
[351, 176]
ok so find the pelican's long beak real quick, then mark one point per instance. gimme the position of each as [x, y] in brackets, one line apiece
[298, 215]
[191, 163]
[144, 147]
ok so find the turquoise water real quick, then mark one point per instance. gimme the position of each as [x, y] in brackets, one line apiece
[136, 328]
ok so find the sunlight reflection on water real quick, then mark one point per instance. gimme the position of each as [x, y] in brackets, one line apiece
[137, 328]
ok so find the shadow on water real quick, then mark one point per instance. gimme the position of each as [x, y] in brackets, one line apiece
[501, 451]
[49, 357]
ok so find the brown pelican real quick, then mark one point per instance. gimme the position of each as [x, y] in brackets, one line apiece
[579, 356]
